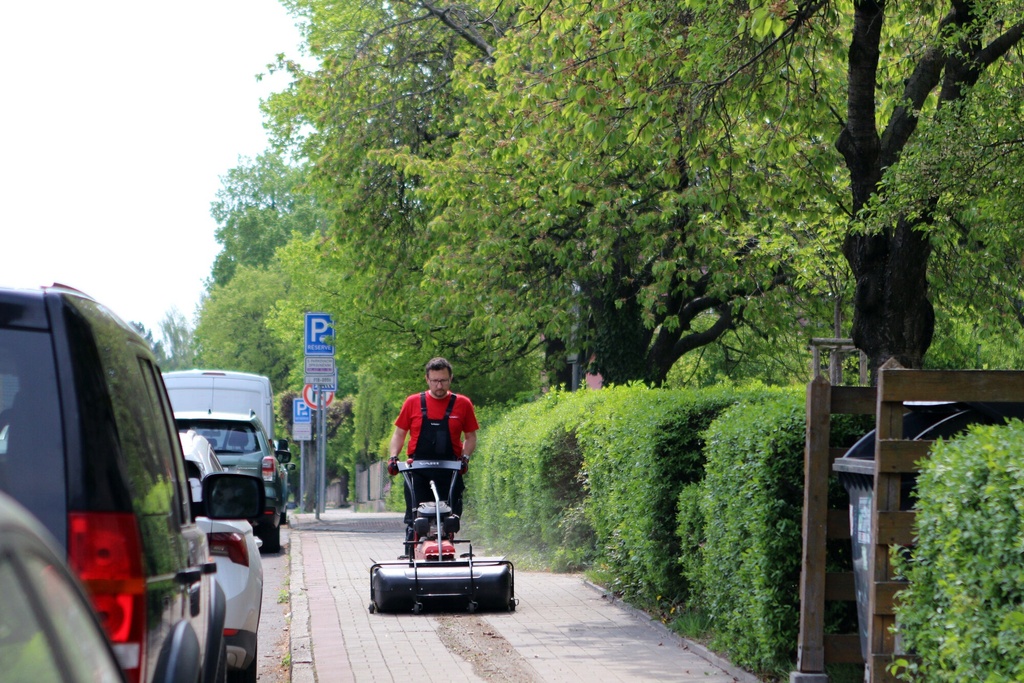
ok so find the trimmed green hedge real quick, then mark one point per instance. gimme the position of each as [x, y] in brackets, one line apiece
[524, 488]
[747, 574]
[752, 497]
[963, 613]
[640, 447]
[675, 498]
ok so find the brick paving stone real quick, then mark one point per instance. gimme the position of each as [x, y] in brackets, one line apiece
[563, 628]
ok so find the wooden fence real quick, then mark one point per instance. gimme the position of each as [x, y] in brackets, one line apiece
[895, 456]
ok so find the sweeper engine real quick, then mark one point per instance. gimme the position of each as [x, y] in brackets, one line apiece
[431, 573]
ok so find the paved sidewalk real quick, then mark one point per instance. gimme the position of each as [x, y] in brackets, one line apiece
[564, 629]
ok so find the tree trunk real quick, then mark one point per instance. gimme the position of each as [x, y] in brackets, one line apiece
[893, 317]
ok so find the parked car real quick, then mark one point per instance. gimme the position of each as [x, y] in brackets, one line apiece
[90, 448]
[235, 549]
[48, 630]
[222, 391]
[242, 446]
[229, 391]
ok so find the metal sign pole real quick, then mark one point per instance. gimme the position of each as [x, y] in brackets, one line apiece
[302, 476]
[322, 459]
[316, 463]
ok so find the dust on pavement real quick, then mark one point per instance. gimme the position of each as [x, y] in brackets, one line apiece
[493, 658]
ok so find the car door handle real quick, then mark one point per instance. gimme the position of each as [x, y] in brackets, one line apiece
[189, 576]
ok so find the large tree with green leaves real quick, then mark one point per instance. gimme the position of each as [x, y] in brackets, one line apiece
[260, 204]
[631, 180]
[872, 78]
[384, 83]
[232, 331]
[500, 190]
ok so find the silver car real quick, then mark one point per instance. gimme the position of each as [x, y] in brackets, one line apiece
[235, 549]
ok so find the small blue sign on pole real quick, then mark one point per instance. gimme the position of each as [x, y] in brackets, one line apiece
[301, 413]
[319, 329]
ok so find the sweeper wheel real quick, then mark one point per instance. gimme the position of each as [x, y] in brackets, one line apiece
[372, 608]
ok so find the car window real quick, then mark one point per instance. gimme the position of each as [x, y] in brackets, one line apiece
[47, 631]
[228, 438]
[26, 652]
[75, 632]
[31, 436]
[167, 438]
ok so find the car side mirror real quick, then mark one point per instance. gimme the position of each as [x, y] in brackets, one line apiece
[229, 495]
[284, 456]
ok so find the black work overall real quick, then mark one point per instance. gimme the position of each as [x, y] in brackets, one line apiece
[434, 443]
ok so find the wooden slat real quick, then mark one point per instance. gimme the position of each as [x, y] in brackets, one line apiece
[946, 385]
[884, 594]
[879, 665]
[853, 400]
[834, 454]
[810, 647]
[843, 648]
[840, 586]
[895, 528]
[899, 456]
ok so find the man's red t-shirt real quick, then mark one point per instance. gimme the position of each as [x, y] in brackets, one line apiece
[462, 420]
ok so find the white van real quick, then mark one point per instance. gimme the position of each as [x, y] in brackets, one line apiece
[222, 391]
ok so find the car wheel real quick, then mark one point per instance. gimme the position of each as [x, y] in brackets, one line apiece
[246, 675]
[271, 536]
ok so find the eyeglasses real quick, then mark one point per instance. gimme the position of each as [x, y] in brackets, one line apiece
[438, 381]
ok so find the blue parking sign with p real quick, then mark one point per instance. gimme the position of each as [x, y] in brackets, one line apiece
[301, 412]
[319, 328]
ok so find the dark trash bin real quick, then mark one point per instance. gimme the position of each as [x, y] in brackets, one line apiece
[856, 471]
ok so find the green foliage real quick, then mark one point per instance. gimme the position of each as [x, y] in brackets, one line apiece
[644, 445]
[232, 334]
[525, 488]
[962, 612]
[374, 414]
[747, 576]
[258, 208]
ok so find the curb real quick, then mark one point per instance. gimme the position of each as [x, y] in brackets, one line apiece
[300, 645]
[710, 657]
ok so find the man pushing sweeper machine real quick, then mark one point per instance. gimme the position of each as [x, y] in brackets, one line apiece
[428, 572]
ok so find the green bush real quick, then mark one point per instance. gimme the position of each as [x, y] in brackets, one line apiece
[524, 488]
[747, 577]
[640, 447]
[752, 498]
[963, 612]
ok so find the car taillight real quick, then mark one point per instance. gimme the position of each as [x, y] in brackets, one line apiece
[105, 551]
[268, 468]
[230, 544]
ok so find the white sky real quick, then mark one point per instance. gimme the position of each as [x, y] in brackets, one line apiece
[117, 119]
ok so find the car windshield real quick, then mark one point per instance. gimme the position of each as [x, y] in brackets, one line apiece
[226, 438]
